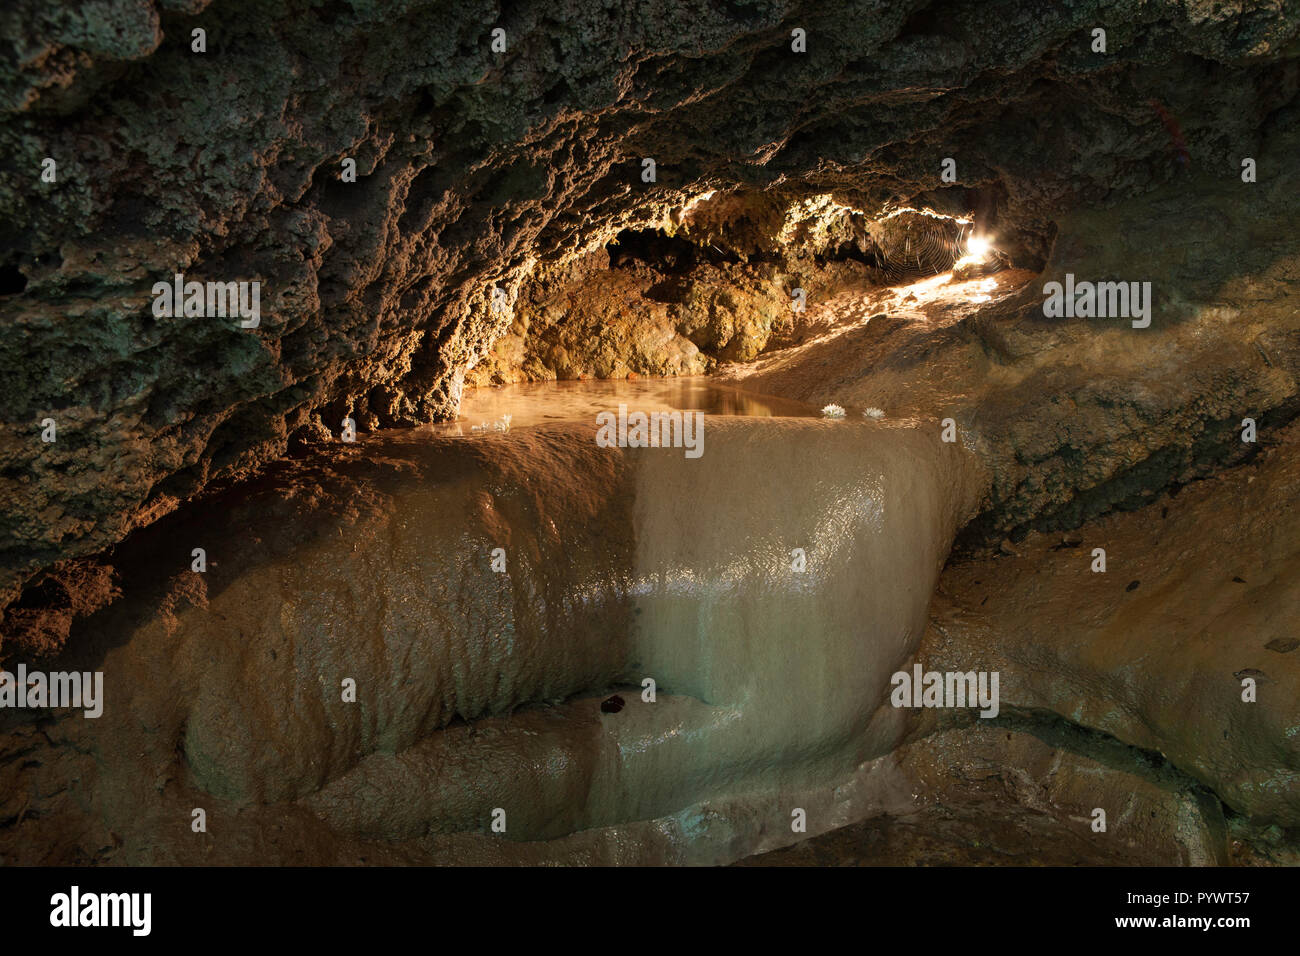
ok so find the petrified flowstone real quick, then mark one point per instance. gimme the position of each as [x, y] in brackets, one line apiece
[227, 689]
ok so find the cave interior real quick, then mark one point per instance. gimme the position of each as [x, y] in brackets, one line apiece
[984, 316]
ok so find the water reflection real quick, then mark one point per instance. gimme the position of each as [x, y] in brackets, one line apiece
[536, 403]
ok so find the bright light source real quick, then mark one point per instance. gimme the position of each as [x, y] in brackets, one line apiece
[978, 246]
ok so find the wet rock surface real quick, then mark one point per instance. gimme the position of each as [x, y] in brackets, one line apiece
[991, 797]
[475, 689]
[1120, 698]
[1128, 699]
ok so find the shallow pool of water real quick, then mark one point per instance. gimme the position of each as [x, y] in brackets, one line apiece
[539, 403]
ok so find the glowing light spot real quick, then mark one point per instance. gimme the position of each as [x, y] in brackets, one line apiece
[978, 246]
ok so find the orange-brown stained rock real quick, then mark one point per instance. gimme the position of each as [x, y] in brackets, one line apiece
[1159, 667]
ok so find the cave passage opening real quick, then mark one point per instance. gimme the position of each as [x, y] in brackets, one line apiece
[730, 275]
